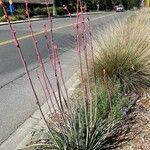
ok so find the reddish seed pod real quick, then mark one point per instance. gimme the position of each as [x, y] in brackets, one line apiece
[14, 32]
[36, 42]
[1, 3]
[17, 45]
[55, 46]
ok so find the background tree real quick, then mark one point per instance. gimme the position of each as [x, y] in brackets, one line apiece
[104, 4]
[116, 2]
[125, 3]
[109, 5]
[60, 3]
[130, 4]
[134, 3]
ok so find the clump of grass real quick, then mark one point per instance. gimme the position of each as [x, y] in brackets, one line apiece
[104, 134]
[123, 52]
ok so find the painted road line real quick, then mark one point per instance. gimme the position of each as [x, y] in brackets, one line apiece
[41, 32]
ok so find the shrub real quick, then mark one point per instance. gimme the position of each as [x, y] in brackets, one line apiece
[124, 54]
[42, 11]
[71, 9]
[60, 11]
[22, 12]
[38, 11]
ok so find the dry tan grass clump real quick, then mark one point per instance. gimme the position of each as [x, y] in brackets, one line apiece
[124, 53]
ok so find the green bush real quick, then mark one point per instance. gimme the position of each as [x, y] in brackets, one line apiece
[61, 11]
[71, 9]
[38, 11]
[22, 12]
[43, 11]
[131, 4]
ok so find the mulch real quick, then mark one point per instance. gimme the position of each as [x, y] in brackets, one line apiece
[141, 129]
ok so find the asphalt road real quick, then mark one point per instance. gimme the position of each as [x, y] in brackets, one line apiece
[16, 99]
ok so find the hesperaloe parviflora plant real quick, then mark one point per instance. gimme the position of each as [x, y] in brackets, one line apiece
[77, 126]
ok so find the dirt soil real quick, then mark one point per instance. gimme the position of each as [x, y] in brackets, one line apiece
[141, 127]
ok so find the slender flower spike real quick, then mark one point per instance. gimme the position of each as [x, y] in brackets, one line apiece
[1, 2]
[68, 12]
[65, 7]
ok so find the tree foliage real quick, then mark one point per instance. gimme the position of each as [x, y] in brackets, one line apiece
[103, 4]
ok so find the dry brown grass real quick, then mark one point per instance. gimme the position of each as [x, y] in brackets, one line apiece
[124, 52]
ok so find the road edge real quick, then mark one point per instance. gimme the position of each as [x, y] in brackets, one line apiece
[19, 138]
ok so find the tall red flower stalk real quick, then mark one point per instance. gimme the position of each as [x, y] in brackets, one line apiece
[67, 103]
[48, 46]
[84, 47]
[56, 58]
[39, 60]
[68, 12]
[84, 87]
[53, 48]
[38, 56]
[106, 85]
[93, 63]
[24, 63]
[43, 88]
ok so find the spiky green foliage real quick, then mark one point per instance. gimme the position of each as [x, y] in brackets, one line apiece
[104, 132]
[103, 135]
[125, 53]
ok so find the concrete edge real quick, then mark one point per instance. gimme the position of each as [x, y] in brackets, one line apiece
[21, 21]
[45, 18]
[22, 135]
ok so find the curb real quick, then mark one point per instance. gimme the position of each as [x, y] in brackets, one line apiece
[45, 18]
[22, 135]
[21, 21]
